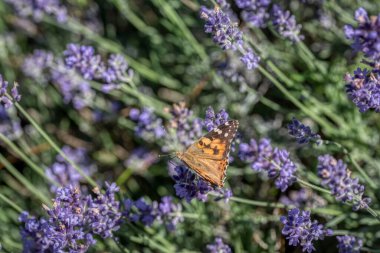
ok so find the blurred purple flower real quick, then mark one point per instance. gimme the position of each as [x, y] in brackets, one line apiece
[117, 71]
[250, 59]
[302, 133]
[304, 198]
[285, 24]
[72, 222]
[140, 159]
[148, 125]
[366, 35]
[213, 120]
[337, 178]
[218, 246]
[37, 64]
[300, 230]
[9, 126]
[225, 33]
[349, 244]
[164, 212]
[8, 97]
[64, 174]
[363, 88]
[188, 185]
[254, 12]
[276, 162]
[38, 8]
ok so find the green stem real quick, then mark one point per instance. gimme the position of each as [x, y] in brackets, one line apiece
[312, 186]
[11, 203]
[12, 170]
[25, 158]
[54, 145]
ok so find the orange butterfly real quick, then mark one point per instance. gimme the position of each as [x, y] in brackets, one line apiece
[208, 156]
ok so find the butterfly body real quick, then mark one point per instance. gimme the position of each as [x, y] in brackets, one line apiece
[208, 156]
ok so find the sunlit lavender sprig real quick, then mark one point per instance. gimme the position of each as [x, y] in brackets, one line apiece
[165, 212]
[37, 9]
[349, 244]
[285, 24]
[64, 174]
[72, 222]
[8, 95]
[218, 246]
[366, 36]
[302, 133]
[92, 67]
[300, 230]
[276, 162]
[363, 88]
[38, 64]
[337, 178]
[254, 12]
[148, 125]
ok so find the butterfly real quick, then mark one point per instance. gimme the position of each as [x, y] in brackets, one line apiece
[208, 156]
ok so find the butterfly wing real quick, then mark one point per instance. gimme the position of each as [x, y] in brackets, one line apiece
[208, 156]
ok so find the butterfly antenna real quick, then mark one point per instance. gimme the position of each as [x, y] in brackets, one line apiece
[172, 155]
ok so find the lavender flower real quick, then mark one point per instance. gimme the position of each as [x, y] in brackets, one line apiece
[257, 154]
[188, 185]
[285, 24]
[301, 132]
[254, 12]
[37, 64]
[38, 8]
[366, 35]
[363, 88]
[250, 59]
[74, 88]
[169, 213]
[9, 125]
[225, 33]
[140, 159]
[149, 126]
[64, 174]
[337, 178]
[349, 244]
[165, 212]
[72, 222]
[117, 71]
[218, 247]
[6, 98]
[300, 230]
[187, 128]
[303, 198]
[213, 120]
[276, 162]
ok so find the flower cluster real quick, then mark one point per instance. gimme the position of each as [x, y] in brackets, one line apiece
[363, 88]
[91, 66]
[65, 174]
[303, 198]
[227, 34]
[140, 159]
[188, 185]
[72, 222]
[276, 162]
[218, 247]
[366, 35]
[213, 120]
[38, 8]
[254, 12]
[6, 99]
[148, 125]
[9, 126]
[285, 24]
[337, 178]
[187, 129]
[300, 230]
[43, 67]
[349, 244]
[302, 133]
[165, 212]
